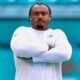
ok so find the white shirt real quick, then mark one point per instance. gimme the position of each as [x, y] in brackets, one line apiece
[45, 64]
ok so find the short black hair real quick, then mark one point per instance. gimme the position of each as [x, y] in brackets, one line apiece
[39, 4]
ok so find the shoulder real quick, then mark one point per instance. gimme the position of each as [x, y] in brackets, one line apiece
[21, 28]
[58, 31]
[61, 34]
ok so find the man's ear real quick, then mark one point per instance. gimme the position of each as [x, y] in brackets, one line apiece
[50, 17]
[30, 19]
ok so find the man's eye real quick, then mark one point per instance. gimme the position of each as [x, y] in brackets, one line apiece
[44, 13]
[36, 13]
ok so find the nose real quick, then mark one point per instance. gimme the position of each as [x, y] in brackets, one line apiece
[40, 16]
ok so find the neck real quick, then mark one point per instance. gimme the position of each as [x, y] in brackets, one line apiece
[40, 29]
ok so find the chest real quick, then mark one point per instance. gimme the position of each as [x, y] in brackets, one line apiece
[47, 37]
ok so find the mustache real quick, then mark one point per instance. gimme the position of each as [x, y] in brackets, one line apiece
[40, 20]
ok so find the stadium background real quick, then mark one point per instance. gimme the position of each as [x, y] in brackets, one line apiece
[66, 16]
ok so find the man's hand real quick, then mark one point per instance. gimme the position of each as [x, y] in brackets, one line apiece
[24, 58]
[50, 47]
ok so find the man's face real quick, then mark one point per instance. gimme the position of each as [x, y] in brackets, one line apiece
[40, 17]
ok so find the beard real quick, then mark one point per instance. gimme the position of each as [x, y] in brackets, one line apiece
[40, 27]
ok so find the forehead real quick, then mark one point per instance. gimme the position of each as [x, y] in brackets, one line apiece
[40, 8]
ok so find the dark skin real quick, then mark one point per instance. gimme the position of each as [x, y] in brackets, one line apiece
[39, 18]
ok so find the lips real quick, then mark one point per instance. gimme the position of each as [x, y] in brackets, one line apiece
[40, 25]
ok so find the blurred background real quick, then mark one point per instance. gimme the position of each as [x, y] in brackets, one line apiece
[65, 16]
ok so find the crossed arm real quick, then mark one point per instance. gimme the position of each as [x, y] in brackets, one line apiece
[60, 52]
[30, 58]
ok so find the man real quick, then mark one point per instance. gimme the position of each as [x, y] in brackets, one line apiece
[39, 51]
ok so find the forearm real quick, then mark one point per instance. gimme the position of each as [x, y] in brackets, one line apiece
[57, 54]
[30, 58]
[26, 49]
[27, 53]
